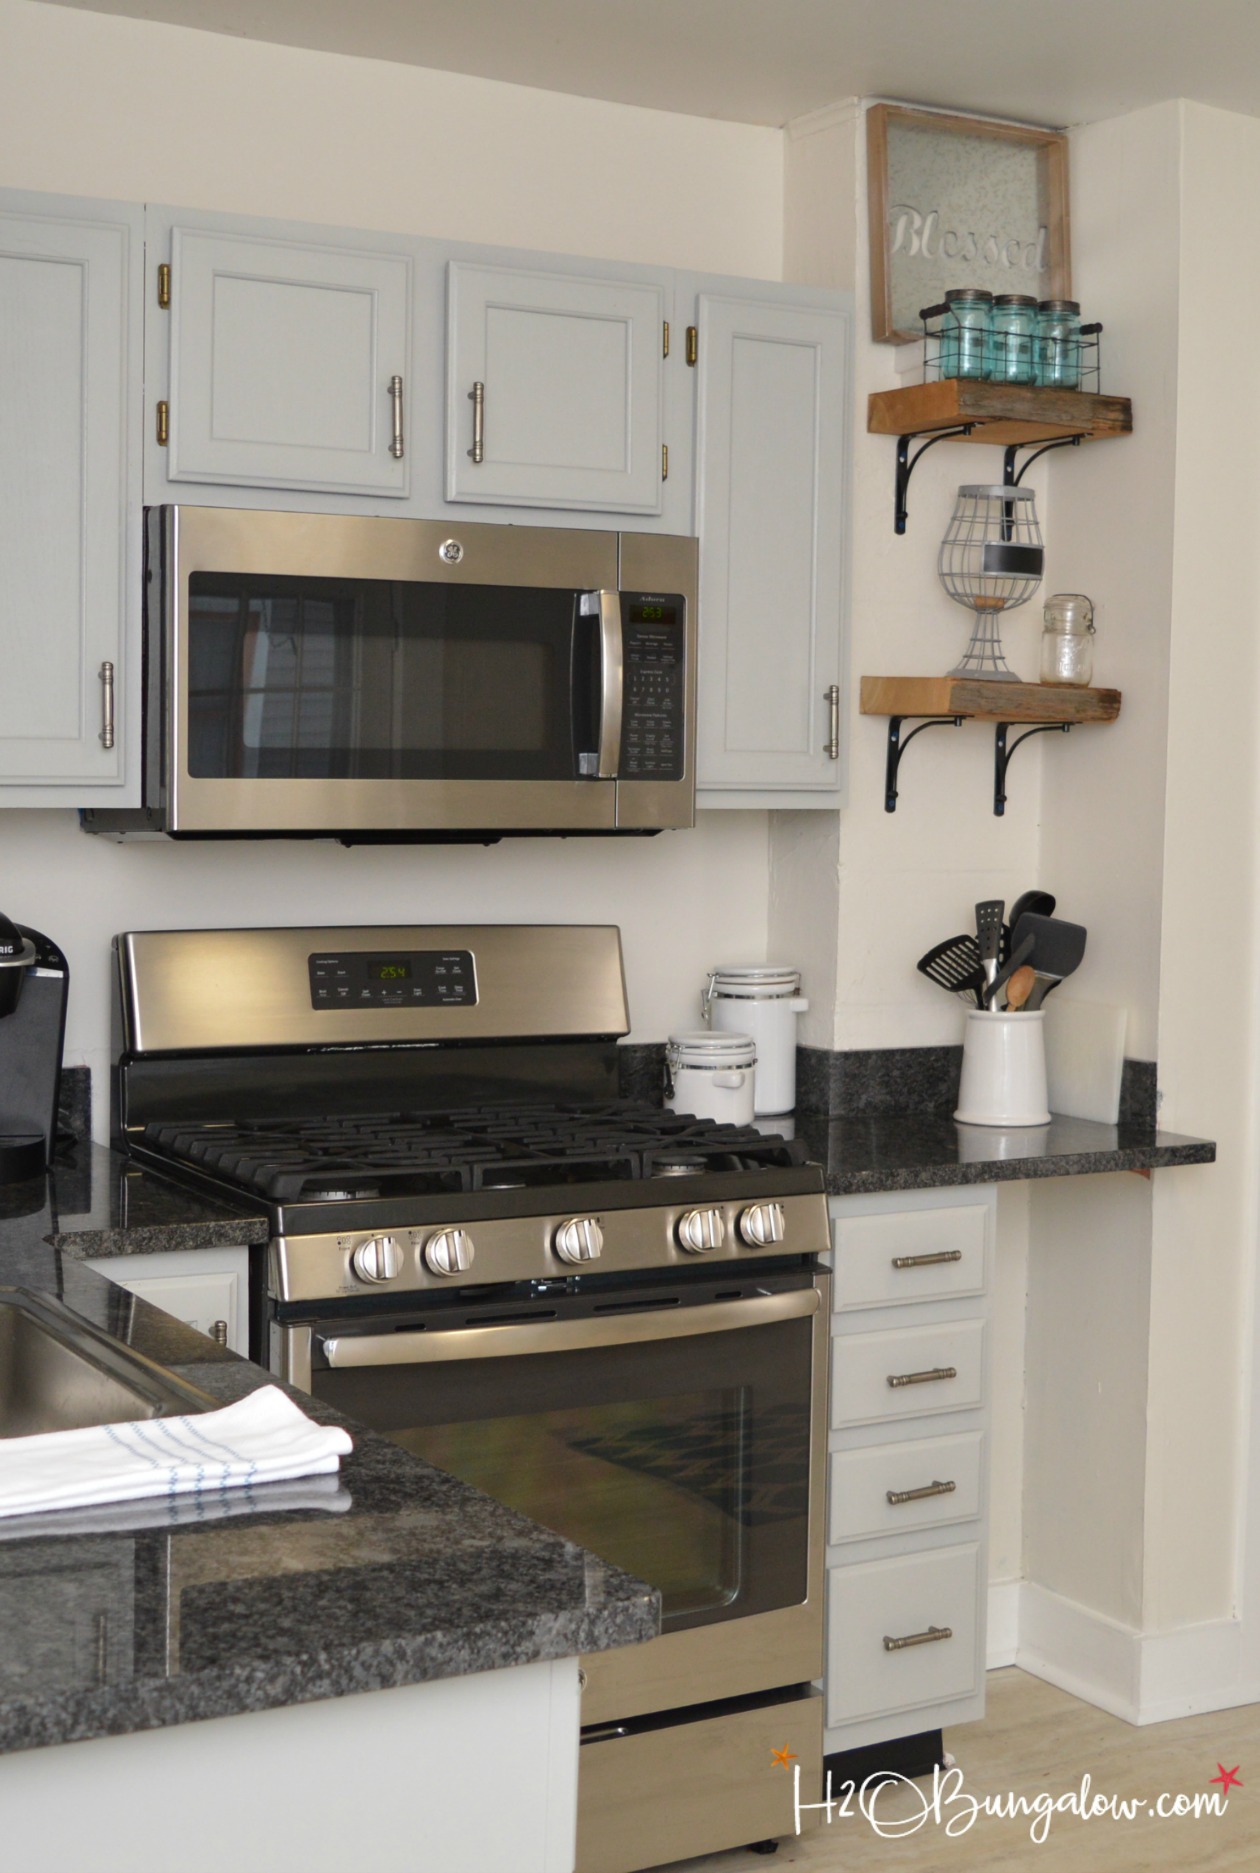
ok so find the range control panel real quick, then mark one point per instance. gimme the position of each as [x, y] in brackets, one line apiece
[654, 708]
[393, 979]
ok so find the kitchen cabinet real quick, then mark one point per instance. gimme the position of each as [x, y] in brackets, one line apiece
[287, 361]
[554, 389]
[206, 1288]
[69, 495]
[771, 511]
[907, 1484]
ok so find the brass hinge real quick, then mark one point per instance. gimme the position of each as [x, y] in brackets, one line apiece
[665, 347]
[664, 461]
[163, 423]
[164, 287]
[693, 344]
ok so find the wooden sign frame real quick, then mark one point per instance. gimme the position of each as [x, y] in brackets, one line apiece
[988, 267]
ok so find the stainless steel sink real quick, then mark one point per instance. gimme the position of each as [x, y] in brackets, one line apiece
[58, 1373]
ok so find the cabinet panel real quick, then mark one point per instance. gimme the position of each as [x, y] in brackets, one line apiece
[770, 500]
[197, 1286]
[570, 373]
[282, 356]
[891, 1257]
[863, 1366]
[66, 460]
[861, 1480]
[898, 1598]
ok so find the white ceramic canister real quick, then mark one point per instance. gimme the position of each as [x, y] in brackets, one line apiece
[711, 1075]
[761, 999]
[1003, 1069]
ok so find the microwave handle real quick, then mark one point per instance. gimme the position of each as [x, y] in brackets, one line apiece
[606, 606]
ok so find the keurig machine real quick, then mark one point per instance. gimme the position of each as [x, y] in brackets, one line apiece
[34, 981]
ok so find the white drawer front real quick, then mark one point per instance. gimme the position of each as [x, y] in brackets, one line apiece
[862, 1481]
[898, 1599]
[869, 1249]
[864, 1364]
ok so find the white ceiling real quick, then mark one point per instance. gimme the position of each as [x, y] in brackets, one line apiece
[766, 61]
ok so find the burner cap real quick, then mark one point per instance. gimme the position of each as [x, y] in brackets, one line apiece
[678, 1167]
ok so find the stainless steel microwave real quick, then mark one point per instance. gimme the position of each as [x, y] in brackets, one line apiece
[367, 679]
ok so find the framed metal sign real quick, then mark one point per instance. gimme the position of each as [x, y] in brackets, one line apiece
[960, 201]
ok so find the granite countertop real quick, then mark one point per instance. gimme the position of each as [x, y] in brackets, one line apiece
[922, 1151]
[93, 1203]
[407, 1575]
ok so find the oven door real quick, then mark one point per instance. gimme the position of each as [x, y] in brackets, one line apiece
[326, 673]
[681, 1438]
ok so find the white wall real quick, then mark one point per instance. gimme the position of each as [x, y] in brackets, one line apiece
[98, 106]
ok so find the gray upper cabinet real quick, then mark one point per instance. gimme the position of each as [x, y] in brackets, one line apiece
[288, 363]
[69, 485]
[772, 449]
[554, 389]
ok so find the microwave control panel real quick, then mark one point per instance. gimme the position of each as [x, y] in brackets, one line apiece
[399, 979]
[653, 711]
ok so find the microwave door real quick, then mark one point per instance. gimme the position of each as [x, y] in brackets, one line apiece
[605, 608]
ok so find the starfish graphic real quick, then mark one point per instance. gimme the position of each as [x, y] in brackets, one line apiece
[783, 1756]
[1228, 1778]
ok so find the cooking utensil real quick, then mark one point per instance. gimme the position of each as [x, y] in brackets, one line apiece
[1016, 960]
[989, 934]
[1058, 947]
[1040, 902]
[1020, 986]
[954, 965]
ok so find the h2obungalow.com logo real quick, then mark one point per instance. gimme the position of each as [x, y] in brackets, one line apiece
[894, 1807]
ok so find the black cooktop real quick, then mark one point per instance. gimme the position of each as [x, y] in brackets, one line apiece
[473, 1148]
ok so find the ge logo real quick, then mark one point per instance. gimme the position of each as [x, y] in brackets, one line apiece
[451, 551]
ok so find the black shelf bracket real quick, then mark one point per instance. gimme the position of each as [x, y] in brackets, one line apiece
[907, 463]
[1012, 480]
[897, 747]
[1002, 753]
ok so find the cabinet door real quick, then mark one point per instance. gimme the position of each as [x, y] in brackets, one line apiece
[553, 390]
[68, 449]
[288, 364]
[201, 1287]
[771, 456]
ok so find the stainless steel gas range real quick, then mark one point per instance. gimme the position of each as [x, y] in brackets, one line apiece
[609, 1316]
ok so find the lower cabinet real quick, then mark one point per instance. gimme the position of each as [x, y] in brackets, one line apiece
[206, 1288]
[907, 1565]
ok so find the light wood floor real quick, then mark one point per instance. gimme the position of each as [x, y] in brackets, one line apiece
[1036, 1739]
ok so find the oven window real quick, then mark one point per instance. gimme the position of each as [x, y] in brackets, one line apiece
[684, 1461]
[292, 678]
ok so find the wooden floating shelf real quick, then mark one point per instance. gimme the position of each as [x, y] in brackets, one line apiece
[1005, 414]
[986, 702]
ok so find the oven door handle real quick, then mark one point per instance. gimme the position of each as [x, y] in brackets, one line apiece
[565, 1336]
[606, 606]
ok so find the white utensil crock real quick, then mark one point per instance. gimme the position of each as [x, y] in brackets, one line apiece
[1003, 1069]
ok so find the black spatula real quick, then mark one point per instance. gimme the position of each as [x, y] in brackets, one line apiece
[954, 965]
[1058, 947]
[1041, 902]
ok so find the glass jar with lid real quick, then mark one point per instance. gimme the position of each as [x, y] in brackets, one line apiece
[1067, 639]
[1059, 344]
[965, 332]
[1011, 338]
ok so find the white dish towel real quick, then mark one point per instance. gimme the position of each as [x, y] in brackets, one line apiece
[260, 1439]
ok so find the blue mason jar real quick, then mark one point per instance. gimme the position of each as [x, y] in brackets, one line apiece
[1011, 339]
[965, 332]
[1059, 344]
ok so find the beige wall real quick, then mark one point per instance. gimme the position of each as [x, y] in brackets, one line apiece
[97, 106]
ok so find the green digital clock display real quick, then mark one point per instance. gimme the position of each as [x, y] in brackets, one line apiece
[389, 972]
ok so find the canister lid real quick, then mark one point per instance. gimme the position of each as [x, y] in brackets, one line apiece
[1066, 307]
[1015, 299]
[750, 979]
[965, 295]
[711, 1047]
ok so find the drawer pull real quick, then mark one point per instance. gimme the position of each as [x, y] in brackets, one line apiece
[930, 1637]
[896, 1496]
[923, 1378]
[927, 1261]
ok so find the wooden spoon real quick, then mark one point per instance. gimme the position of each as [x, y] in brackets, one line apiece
[1020, 987]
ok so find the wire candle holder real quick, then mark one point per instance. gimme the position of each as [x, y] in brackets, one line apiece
[991, 560]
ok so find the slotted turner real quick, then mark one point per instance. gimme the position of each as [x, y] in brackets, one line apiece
[954, 965]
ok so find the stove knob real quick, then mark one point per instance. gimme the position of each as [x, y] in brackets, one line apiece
[761, 1224]
[449, 1253]
[380, 1258]
[701, 1231]
[579, 1240]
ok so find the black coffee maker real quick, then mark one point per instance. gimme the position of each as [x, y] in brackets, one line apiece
[34, 983]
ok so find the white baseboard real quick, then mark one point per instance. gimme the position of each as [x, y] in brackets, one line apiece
[1142, 1677]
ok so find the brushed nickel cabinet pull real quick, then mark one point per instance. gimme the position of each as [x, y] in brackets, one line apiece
[896, 1496]
[477, 397]
[832, 694]
[107, 705]
[932, 1636]
[923, 1378]
[219, 1333]
[926, 1261]
[397, 445]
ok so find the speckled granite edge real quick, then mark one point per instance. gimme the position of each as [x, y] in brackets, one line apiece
[847, 1182]
[135, 1239]
[872, 1080]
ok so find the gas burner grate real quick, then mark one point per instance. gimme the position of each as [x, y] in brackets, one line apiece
[470, 1148]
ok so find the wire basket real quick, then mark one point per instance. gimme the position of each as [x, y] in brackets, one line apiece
[991, 560]
[1083, 352]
